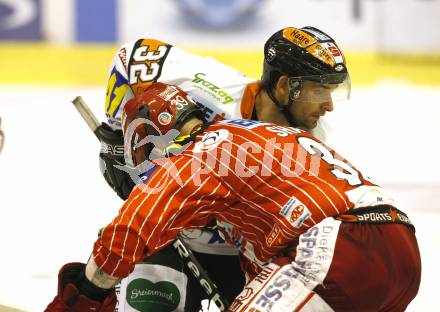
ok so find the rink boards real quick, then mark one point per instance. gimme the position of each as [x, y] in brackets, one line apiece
[87, 65]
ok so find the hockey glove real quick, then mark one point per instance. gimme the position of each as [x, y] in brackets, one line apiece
[77, 294]
[111, 154]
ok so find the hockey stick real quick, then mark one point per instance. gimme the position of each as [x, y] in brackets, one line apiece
[199, 273]
[86, 114]
[181, 247]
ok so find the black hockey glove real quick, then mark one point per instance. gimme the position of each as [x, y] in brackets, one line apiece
[111, 154]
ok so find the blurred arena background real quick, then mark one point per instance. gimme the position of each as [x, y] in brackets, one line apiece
[52, 196]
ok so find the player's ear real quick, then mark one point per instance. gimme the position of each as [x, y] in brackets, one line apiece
[281, 88]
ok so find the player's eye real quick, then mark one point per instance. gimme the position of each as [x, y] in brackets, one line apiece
[320, 91]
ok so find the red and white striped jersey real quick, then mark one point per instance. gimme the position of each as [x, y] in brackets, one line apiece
[263, 184]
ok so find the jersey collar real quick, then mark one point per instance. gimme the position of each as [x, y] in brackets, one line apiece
[248, 100]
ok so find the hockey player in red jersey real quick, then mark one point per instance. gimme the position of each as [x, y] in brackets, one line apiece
[299, 63]
[312, 232]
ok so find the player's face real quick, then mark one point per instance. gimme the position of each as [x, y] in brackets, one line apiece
[313, 102]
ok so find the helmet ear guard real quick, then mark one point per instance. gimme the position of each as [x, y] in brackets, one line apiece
[295, 87]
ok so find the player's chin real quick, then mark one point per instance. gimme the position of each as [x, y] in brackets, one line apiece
[312, 122]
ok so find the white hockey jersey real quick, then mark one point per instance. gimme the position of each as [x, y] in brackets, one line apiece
[217, 88]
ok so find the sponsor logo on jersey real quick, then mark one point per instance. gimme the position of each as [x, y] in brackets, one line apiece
[376, 216]
[123, 56]
[383, 217]
[273, 234]
[295, 212]
[283, 292]
[211, 88]
[211, 140]
[275, 288]
[164, 118]
[144, 295]
[207, 111]
[253, 289]
[280, 286]
[245, 294]
[315, 252]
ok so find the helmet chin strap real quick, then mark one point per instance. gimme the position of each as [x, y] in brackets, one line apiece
[285, 109]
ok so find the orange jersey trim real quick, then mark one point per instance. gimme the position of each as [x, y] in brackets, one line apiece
[248, 100]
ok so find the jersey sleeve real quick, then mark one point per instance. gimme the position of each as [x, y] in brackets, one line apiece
[170, 200]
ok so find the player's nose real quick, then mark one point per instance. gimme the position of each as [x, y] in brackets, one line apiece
[327, 106]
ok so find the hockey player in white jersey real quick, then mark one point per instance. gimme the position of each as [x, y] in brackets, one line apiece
[302, 67]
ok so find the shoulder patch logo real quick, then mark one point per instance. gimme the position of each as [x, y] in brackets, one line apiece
[211, 140]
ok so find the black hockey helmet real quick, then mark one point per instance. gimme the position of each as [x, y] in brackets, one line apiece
[304, 54]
